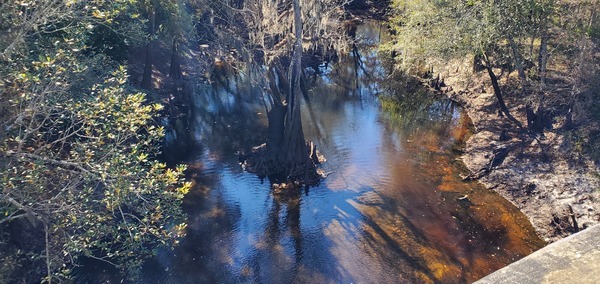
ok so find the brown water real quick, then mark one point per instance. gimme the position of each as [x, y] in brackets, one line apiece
[393, 209]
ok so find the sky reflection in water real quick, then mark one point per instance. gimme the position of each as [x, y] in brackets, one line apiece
[389, 212]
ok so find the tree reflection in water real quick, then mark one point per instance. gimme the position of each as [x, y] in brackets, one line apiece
[394, 208]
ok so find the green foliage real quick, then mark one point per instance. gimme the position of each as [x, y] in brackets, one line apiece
[89, 175]
[438, 29]
[429, 29]
[78, 145]
[548, 42]
[168, 19]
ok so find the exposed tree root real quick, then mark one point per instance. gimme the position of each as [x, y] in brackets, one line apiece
[264, 162]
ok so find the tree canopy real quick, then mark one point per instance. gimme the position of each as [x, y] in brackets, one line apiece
[511, 36]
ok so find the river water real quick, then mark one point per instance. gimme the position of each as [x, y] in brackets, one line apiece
[392, 210]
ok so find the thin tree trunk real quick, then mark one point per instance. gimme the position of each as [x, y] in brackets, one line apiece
[540, 121]
[524, 89]
[498, 91]
[48, 261]
[516, 55]
[531, 44]
[356, 57]
[176, 76]
[540, 116]
[147, 76]
[175, 69]
[296, 63]
[543, 54]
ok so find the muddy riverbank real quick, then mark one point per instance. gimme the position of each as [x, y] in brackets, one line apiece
[546, 176]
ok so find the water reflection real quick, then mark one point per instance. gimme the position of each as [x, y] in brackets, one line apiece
[392, 210]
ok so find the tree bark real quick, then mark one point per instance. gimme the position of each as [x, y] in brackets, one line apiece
[286, 157]
[516, 55]
[294, 151]
[276, 117]
[540, 116]
[175, 69]
[498, 91]
[543, 54]
[147, 76]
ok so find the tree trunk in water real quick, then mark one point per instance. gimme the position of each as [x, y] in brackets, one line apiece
[287, 158]
[293, 151]
[276, 117]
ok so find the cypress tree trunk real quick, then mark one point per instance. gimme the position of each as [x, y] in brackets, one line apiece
[293, 151]
[276, 115]
[287, 157]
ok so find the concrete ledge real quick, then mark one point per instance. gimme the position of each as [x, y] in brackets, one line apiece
[574, 259]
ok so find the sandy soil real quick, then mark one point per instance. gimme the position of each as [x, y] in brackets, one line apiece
[556, 188]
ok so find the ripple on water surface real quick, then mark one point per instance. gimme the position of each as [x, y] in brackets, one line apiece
[392, 210]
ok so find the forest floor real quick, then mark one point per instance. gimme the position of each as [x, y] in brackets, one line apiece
[547, 177]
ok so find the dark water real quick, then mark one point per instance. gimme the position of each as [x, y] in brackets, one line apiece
[392, 210]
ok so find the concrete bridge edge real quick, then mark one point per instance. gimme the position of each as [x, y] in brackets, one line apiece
[574, 259]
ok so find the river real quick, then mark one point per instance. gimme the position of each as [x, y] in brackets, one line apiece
[392, 210]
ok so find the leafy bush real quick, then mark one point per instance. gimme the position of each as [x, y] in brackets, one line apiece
[78, 145]
[83, 169]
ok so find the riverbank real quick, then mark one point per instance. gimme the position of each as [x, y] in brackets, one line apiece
[546, 177]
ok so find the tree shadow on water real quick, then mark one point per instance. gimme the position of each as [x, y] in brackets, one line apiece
[339, 243]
